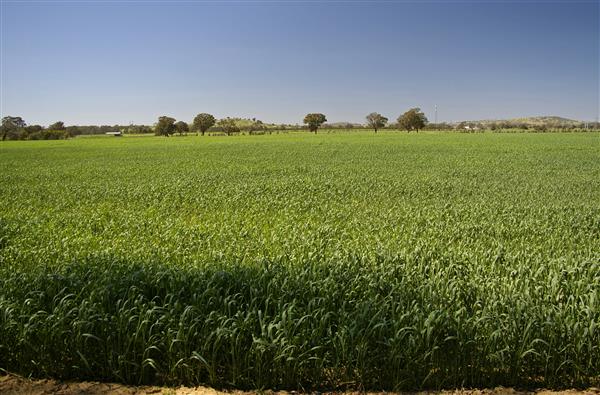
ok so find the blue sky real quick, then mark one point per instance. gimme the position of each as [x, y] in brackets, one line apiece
[109, 62]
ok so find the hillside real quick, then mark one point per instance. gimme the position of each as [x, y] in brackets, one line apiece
[534, 121]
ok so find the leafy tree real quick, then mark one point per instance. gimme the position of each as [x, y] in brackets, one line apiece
[182, 128]
[439, 126]
[12, 127]
[31, 131]
[165, 126]
[60, 125]
[136, 129]
[413, 119]
[256, 125]
[229, 126]
[376, 121]
[34, 128]
[73, 130]
[314, 120]
[203, 122]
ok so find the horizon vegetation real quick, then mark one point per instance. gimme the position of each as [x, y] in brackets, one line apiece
[15, 128]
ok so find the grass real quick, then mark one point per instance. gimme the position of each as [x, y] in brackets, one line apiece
[351, 260]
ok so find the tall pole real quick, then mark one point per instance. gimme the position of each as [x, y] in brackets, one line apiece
[436, 113]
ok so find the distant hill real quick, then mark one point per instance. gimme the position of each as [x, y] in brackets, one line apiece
[245, 123]
[533, 121]
[548, 120]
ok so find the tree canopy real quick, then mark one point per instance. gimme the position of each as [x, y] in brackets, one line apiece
[203, 122]
[376, 121]
[314, 120]
[229, 126]
[11, 125]
[15, 128]
[165, 126]
[182, 127]
[60, 125]
[413, 119]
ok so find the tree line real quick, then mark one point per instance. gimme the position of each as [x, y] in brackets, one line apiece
[15, 128]
[413, 119]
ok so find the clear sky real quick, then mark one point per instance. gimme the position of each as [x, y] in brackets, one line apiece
[109, 62]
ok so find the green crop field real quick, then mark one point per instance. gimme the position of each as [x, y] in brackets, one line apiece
[347, 260]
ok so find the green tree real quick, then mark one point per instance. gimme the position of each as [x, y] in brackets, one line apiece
[376, 121]
[34, 128]
[31, 131]
[229, 126]
[413, 119]
[256, 125]
[12, 127]
[182, 128]
[60, 125]
[314, 120]
[165, 126]
[203, 122]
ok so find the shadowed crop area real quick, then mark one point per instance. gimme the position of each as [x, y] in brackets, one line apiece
[332, 261]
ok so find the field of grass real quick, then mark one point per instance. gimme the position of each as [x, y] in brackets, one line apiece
[330, 261]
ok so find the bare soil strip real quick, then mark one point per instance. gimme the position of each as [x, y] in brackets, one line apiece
[12, 384]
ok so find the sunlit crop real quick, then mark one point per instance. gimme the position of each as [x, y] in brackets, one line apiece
[299, 261]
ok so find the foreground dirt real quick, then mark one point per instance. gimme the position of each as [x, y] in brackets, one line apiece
[11, 384]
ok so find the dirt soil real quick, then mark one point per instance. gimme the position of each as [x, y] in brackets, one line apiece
[13, 384]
